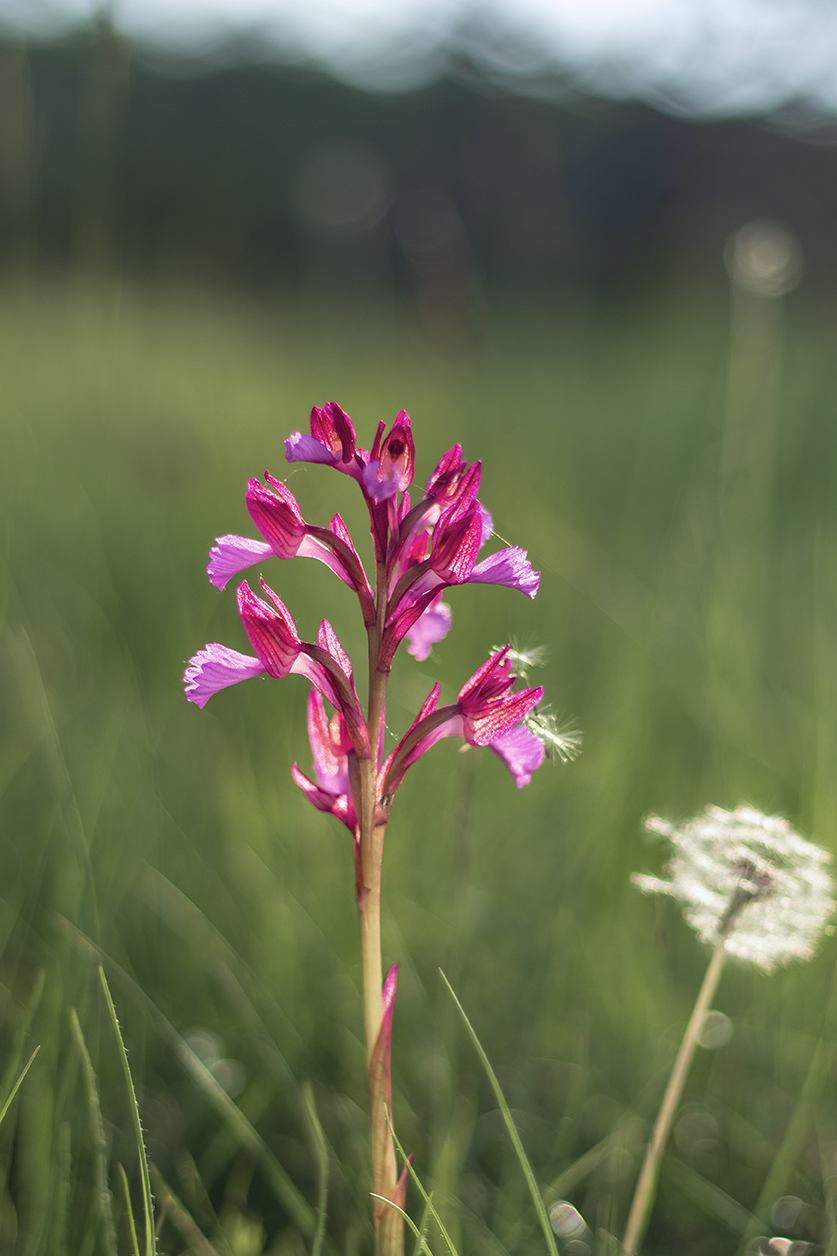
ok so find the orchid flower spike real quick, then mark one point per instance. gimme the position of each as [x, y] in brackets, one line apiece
[420, 551]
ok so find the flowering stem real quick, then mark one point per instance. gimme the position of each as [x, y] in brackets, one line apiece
[646, 1185]
[370, 937]
[389, 1228]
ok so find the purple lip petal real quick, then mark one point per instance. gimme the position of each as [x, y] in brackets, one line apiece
[521, 751]
[232, 554]
[300, 447]
[380, 490]
[431, 627]
[216, 667]
[509, 567]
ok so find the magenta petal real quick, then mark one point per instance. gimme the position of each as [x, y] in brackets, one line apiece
[300, 447]
[509, 567]
[336, 805]
[484, 726]
[215, 667]
[327, 640]
[232, 554]
[330, 768]
[430, 627]
[521, 751]
[271, 630]
[380, 490]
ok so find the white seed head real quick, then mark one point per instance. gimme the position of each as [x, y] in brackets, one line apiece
[750, 878]
[522, 658]
[560, 740]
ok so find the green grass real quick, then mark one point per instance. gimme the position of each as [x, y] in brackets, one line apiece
[693, 638]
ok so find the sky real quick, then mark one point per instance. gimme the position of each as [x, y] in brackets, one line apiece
[709, 57]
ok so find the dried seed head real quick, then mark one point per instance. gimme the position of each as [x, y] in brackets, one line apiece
[523, 658]
[749, 878]
[559, 740]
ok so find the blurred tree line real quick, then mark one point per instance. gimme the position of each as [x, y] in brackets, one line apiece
[273, 176]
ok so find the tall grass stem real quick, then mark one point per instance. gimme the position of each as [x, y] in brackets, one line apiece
[104, 1206]
[534, 1190]
[647, 1183]
[148, 1200]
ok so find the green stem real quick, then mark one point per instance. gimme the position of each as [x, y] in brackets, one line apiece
[389, 1230]
[647, 1183]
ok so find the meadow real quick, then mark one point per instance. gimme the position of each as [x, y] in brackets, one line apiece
[688, 606]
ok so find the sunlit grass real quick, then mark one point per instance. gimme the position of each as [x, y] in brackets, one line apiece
[176, 843]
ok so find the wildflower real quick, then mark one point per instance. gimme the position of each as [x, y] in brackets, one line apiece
[279, 652]
[390, 467]
[485, 714]
[748, 878]
[420, 551]
[275, 512]
[332, 441]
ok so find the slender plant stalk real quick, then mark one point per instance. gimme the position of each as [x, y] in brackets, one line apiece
[647, 1183]
[389, 1227]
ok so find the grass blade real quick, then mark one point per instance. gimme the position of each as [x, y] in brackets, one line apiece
[321, 1156]
[18, 1083]
[540, 1207]
[97, 1130]
[277, 1179]
[126, 1191]
[708, 1195]
[428, 1202]
[17, 1050]
[420, 1240]
[182, 1219]
[148, 1201]
[421, 1245]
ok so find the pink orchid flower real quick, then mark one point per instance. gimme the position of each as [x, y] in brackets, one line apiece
[420, 551]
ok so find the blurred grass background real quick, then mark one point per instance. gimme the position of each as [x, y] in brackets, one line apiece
[695, 646]
[538, 277]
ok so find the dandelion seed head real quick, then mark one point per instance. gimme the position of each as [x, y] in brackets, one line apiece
[560, 740]
[748, 877]
[522, 657]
